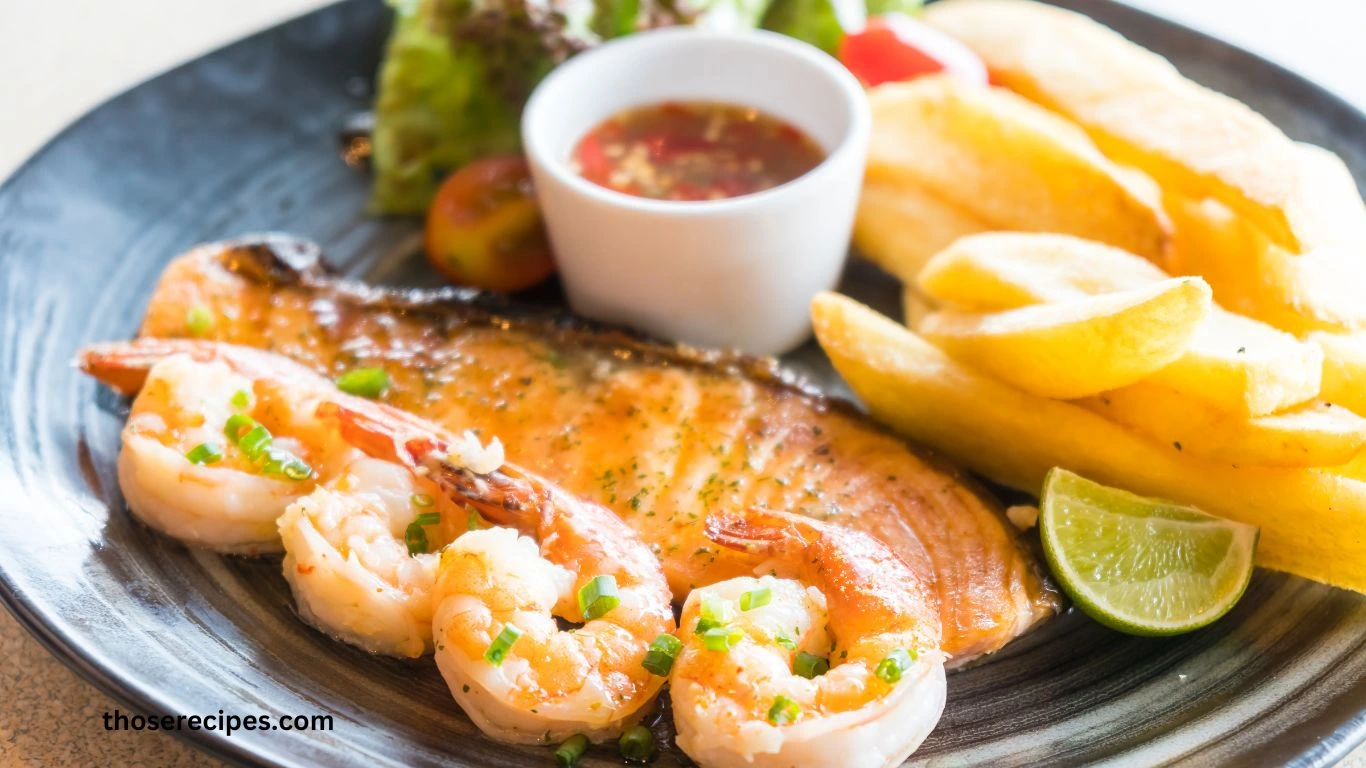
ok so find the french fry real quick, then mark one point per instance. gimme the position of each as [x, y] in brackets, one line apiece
[1081, 347]
[1245, 367]
[1002, 163]
[1298, 293]
[1140, 111]
[1354, 469]
[1313, 523]
[1344, 369]
[1313, 435]
[915, 307]
[1008, 270]
[899, 226]
[1237, 364]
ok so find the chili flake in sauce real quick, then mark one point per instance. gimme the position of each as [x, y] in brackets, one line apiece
[694, 151]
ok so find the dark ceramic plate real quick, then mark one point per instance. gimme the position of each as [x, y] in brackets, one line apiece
[244, 139]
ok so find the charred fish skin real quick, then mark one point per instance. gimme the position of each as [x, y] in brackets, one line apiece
[660, 433]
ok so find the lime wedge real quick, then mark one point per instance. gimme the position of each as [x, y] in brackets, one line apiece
[1142, 566]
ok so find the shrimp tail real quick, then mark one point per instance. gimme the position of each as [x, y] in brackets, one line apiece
[507, 496]
[382, 432]
[757, 532]
[123, 365]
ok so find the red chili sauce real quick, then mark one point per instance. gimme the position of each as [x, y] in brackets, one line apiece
[694, 151]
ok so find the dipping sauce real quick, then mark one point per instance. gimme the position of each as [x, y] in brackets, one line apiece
[694, 151]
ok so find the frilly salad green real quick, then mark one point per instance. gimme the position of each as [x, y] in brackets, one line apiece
[457, 72]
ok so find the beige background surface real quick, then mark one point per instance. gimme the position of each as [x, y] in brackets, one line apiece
[61, 57]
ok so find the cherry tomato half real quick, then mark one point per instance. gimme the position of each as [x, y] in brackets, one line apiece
[484, 227]
[894, 47]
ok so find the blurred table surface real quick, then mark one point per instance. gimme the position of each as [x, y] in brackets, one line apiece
[62, 57]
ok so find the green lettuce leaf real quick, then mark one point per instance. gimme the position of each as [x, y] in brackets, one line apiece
[451, 90]
[812, 21]
[822, 23]
[457, 73]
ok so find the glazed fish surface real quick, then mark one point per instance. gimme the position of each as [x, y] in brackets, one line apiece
[661, 434]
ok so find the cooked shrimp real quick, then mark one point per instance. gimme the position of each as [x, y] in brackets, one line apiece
[361, 553]
[180, 470]
[348, 562]
[499, 595]
[752, 689]
[343, 528]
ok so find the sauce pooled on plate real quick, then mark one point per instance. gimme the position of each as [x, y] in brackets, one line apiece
[696, 150]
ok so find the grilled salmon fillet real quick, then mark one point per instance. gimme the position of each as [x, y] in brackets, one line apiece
[659, 433]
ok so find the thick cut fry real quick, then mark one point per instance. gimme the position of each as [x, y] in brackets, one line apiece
[1355, 469]
[1008, 270]
[1140, 111]
[1237, 364]
[1313, 523]
[1344, 369]
[899, 226]
[1245, 367]
[1313, 435]
[1007, 164]
[915, 307]
[1319, 290]
[1081, 347]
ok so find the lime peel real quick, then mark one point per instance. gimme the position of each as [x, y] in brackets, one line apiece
[1139, 565]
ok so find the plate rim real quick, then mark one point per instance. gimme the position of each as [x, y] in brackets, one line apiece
[1329, 749]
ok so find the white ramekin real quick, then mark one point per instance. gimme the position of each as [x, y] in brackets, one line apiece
[726, 273]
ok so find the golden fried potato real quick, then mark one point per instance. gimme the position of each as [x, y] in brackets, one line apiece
[1140, 111]
[1344, 369]
[1005, 164]
[1245, 367]
[915, 307]
[1298, 293]
[1313, 523]
[1007, 270]
[1237, 364]
[899, 226]
[1080, 347]
[1314, 435]
[1355, 469]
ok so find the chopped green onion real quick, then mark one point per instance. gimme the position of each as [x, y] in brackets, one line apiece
[755, 598]
[253, 439]
[571, 750]
[783, 711]
[416, 539]
[297, 470]
[364, 382]
[722, 638]
[415, 536]
[660, 658]
[598, 596]
[715, 612]
[637, 745]
[421, 500]
[255, 442]
[501, 644]
[199, 320]
[240, 399]
[897, 662]
[809, 665]
[236, 426]
[205, 453]
[278, 461]
[294, 468]
[786, 642]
